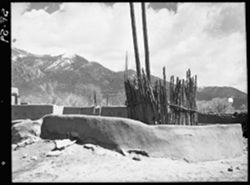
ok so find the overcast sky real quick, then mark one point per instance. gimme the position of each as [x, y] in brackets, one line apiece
[208, 38]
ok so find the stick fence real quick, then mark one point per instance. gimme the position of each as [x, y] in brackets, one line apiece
[151, 104]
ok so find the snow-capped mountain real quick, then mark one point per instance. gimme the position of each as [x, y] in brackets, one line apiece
[67, 70]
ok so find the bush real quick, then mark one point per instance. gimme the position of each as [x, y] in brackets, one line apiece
[216, 105]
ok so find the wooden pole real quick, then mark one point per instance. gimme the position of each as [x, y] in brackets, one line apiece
[126, 67]
[195, 98]
[165, 97]
[171, 100]
[95, 101]
[107, 100]
[145, 35]
[133, 25]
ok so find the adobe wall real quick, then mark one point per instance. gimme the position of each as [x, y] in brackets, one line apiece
[32, 112]
[192, 143]
[78, 110]
[241, 118]
[215, 118]
[115, 111]
[37, 111]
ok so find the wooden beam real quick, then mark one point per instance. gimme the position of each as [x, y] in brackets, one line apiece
[145, 36]
[133, 25]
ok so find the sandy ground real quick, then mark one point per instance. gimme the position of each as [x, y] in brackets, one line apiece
[76, 163]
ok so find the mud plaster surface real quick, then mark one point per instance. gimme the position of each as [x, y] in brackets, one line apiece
[192, 143]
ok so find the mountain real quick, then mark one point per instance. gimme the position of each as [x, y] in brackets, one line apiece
[72, 73]
[208, 93]
[45, 75]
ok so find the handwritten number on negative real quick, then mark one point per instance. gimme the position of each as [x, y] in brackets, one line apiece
[4, 33]
[5, 12]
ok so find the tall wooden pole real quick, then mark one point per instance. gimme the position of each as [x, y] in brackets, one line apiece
[137, 59]
[166, 96]
[126, 67]
[145, 35]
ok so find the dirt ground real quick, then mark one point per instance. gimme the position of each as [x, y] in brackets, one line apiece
[38, 162]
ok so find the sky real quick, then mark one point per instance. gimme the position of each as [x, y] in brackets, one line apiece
[207, 38]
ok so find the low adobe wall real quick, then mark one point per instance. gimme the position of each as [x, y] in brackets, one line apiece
[32, 112]
[78, 110]
[241, 118]
[193, 143]
[115, 111]
[215, 118]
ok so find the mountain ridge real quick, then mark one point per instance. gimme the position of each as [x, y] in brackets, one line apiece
[69, 72]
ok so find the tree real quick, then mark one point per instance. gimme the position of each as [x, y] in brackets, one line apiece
[243, 108]
[216, 105]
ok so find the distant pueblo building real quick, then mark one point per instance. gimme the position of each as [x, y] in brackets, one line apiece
[15, 97]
